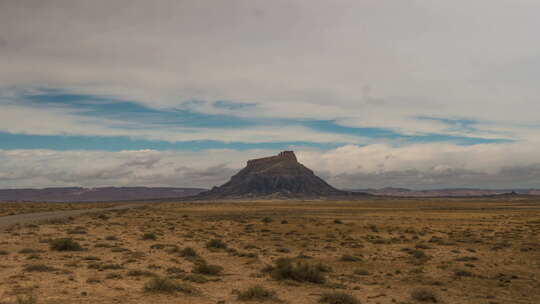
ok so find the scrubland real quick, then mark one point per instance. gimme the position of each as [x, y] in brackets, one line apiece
[375, 251]
[14, 208]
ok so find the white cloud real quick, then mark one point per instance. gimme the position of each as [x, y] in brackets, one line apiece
[366, 63]
[416, 166]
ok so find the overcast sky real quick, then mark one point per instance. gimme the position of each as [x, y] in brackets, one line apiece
[409, 93]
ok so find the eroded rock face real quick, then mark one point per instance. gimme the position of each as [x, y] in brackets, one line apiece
[275, 175]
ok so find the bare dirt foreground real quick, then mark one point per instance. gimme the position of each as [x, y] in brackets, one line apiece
[378, 251]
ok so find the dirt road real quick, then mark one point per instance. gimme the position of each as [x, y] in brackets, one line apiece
[7, 221]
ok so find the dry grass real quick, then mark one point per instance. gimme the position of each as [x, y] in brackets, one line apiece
[7, 208]
[380, 251]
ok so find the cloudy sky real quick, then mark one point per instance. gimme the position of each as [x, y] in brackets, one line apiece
[410, 93]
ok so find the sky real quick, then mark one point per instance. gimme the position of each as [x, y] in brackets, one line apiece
[412, 93]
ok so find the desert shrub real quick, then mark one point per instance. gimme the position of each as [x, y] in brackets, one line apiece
[362, 272]
[111, 238]
[77, 230]
[298, 271]
[149, 236]
[256, 293]
[216, 244]
[93, 280]
[424, 295]
[3, 252]
[113, 276]
[38, 268]
[65, 244]
[26, 299]
[110, 266]
[284, 222]
[175, 270]
[140, 273]
[203, 267]
[267, 220]
[29, 250]
[189, 252]
[195, 278]
[338, 298]
[349, 258]
[422, 246]
[463, 273]
[467, 259]
[418, 254]
[165, 285]
[337, 221]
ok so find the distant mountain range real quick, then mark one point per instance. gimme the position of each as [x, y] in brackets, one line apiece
[450, 192]
[103, 194]
[108, 194]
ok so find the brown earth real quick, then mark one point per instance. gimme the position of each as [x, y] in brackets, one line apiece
[7, 208]
[380, 251]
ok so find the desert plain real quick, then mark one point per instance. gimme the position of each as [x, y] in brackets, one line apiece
[383, 250]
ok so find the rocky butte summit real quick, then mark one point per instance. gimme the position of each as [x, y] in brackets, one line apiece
[275, 176]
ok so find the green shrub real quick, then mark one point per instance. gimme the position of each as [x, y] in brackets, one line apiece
[257, 293]
[285, 269]
[165, 285]
[338, 298]
[65, 244]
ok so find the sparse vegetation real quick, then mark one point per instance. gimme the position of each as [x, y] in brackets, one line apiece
[435, 251]
[38, 268]
[338, 298]
[65, 244]
[257, 293]
[26, 299]
[203, 267]
[349, 258]
[165, 285]
[216, 244]
[424, 295]
[285, 269]
[149, 236]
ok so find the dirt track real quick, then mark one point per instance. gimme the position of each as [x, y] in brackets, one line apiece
[7, 221]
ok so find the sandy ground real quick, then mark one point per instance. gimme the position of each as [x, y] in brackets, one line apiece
[14, 208]
[62, 213]
[379, 251]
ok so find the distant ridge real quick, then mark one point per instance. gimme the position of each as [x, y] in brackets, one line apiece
[275, 176]
[102, 194]
[449, 192]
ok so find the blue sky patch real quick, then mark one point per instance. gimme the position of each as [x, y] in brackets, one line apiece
[139, 116]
